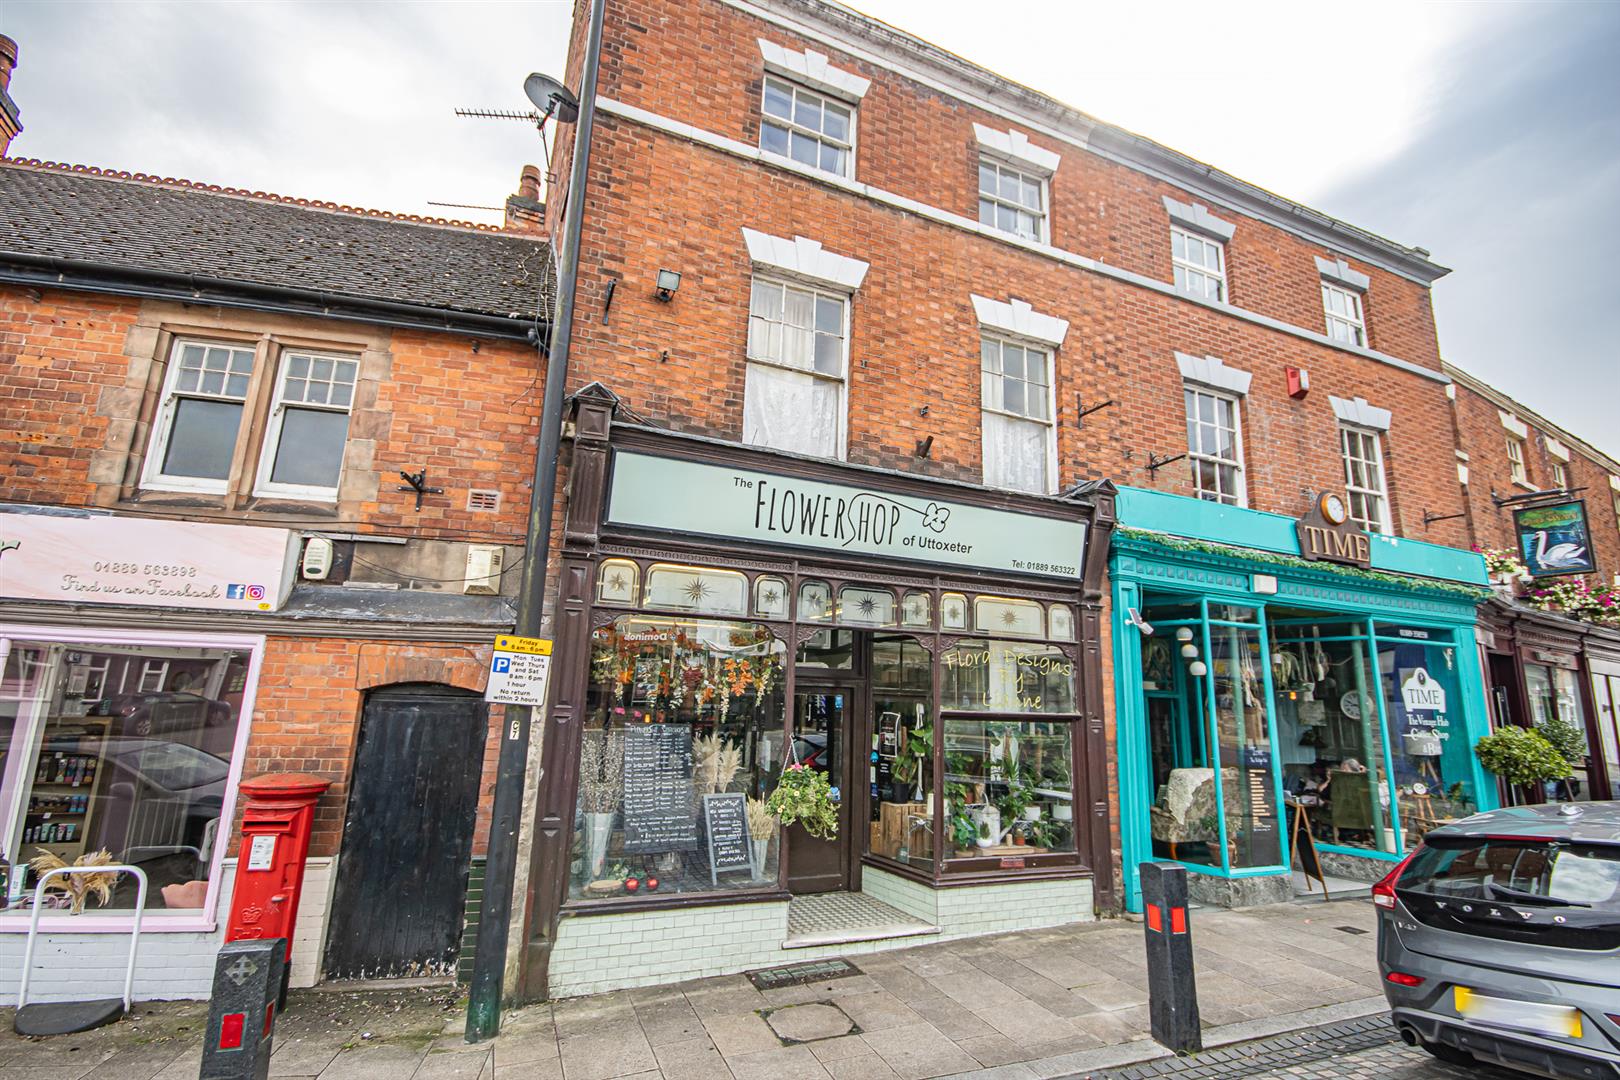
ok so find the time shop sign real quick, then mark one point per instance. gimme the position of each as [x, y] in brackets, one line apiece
[713, 500]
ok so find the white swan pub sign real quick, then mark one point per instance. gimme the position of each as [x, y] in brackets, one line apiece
[1553, 539]
[695, 498]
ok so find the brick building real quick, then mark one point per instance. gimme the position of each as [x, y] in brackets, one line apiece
[827, 259]
[213, 566]
[1551, 501]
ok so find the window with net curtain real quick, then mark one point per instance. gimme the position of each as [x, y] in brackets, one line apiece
[1017, 414]
[797, 346]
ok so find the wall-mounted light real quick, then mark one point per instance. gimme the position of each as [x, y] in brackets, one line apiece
[1183, 633]
[668, 282]
[1197, 669]
[1190, 651]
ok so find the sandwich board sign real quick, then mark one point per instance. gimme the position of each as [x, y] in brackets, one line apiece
[518, 671]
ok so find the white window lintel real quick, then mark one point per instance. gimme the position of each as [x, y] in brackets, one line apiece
[1014, 146]
[1557, 449]
[1214, 372]
[1357, 413]
[1020, 320]
[1518, 427]
[812, 69]
[1614, 482]
[805, 259]
[1196, 216]
[1339, 272]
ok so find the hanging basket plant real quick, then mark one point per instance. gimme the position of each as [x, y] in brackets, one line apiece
[1521, 756]
[803, 795]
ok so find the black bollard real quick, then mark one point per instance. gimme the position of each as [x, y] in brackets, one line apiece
[242, 1010]
[1172, 992]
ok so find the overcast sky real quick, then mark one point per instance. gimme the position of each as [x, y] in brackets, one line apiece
[1489, 134]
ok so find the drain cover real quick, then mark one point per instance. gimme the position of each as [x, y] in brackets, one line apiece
[1351, 929]
[798, 974]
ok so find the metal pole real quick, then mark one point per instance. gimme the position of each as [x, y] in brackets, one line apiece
[500, 867]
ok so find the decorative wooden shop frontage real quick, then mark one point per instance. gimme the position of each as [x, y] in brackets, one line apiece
[728, 612]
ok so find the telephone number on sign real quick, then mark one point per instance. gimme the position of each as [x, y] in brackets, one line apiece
[1043, 568]
[148, 569]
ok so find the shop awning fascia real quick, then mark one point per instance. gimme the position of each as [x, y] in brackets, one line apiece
[1265, 533]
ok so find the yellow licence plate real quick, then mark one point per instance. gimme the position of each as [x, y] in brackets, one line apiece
[1522, 1015]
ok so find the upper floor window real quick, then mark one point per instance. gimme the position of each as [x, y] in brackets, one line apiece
[810, 128]
[1017, 415]
[1560, 475]
[199, 417]
[1344, 319]
[1199, 263]
[1515, 455]
[1011, 200]
[1215, 446]
[1364, 479]
[798, 351]
[309, 425]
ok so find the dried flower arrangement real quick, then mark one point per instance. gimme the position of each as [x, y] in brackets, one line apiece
[716, 762]
[76, 889]
[762, 824]
[601, 771]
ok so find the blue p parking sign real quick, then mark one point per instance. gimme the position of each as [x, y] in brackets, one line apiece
[502, 665]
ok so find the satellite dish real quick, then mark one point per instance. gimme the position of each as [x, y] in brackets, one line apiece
[551, 97]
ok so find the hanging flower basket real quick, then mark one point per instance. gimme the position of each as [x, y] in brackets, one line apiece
[803, 795]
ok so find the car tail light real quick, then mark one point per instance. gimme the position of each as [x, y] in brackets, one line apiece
[1401, 978]
[1383, 893]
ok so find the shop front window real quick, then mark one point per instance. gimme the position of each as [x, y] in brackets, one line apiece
[1555, 710]
[1243, 741]
[681, 742]
[1430, 752]
[1329, 740]
[901, 783]
[1007, 676]
[121, 751]
[1009, 789]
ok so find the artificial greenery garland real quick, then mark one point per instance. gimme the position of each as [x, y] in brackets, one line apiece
[1475, 593]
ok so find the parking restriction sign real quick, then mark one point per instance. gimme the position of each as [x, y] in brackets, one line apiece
[518, 669]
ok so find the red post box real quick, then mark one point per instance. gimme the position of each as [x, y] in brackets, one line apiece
[276, 823]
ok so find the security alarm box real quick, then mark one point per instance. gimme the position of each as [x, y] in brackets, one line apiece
[317, 558]
[484, 569]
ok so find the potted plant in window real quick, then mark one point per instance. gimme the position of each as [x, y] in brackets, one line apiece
[762, 825]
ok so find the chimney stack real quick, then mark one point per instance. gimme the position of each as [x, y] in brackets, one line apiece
[524, 210]
[10, 116]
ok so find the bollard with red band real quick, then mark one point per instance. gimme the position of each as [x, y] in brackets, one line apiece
[237, 1042]
[1172, 991]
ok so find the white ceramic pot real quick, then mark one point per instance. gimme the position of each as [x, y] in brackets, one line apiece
[1063, 811]
[988, 820]
[1032, 812]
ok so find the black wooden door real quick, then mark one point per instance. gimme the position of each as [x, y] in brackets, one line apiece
[407, 840]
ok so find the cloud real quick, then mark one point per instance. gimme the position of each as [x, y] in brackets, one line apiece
[1513, 181]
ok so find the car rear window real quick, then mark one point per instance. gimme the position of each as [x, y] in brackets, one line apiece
[1552, 892]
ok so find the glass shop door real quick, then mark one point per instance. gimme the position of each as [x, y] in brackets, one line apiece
[822, 738]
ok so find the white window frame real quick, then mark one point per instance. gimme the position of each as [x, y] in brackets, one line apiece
[1515, 456]
[1194, 456]
[1560, 475]
[1356, 327]
[1183, 266]
[1024, 173]
[845, 300]
[792, 126]
[276, 419]
[153, 478]
[1050, 420]
[1384, 523]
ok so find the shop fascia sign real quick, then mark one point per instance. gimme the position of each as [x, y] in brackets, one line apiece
[105, 559]
[1327, 534]
[696, 498]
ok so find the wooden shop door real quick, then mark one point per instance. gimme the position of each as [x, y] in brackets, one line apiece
[823, 736]
[407, 840]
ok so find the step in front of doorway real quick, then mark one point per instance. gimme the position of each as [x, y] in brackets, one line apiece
[841, 918]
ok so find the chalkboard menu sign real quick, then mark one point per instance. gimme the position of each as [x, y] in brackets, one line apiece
[726, 822]
[658, 789]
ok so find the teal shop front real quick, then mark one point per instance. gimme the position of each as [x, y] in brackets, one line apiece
[1259, 695]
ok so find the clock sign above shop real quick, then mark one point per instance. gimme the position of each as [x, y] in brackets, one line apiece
[1327, 534]
[695, 498]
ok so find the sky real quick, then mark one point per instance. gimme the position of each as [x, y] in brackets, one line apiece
[1487, 133]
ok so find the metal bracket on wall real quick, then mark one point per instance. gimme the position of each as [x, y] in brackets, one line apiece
[1155, 462]
[1081, 412]
[1430, 519]
[417, 482]
[1533, 496]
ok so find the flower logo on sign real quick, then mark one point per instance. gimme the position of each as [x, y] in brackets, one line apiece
[935, 517]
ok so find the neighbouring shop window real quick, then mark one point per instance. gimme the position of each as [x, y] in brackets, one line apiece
[793, 399]
[682, 738]
[1430, 750]
[1555, 710]
[1329, 739]
[118, 749]
[901, 780]
[1009, 789]
[1007, 676]
[1242, 739]
[696, 589]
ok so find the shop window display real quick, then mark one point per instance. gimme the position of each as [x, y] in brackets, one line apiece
[1009, 788]
[680, 746]
[1243, 741]
[1007, 676]
[901, 783]
[118, 749]
[1555, 711]
[1430, 755]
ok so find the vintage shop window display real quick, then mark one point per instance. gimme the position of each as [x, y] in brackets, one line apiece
[681, 745]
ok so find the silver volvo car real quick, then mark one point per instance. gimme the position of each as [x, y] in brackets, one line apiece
[1499, 940]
